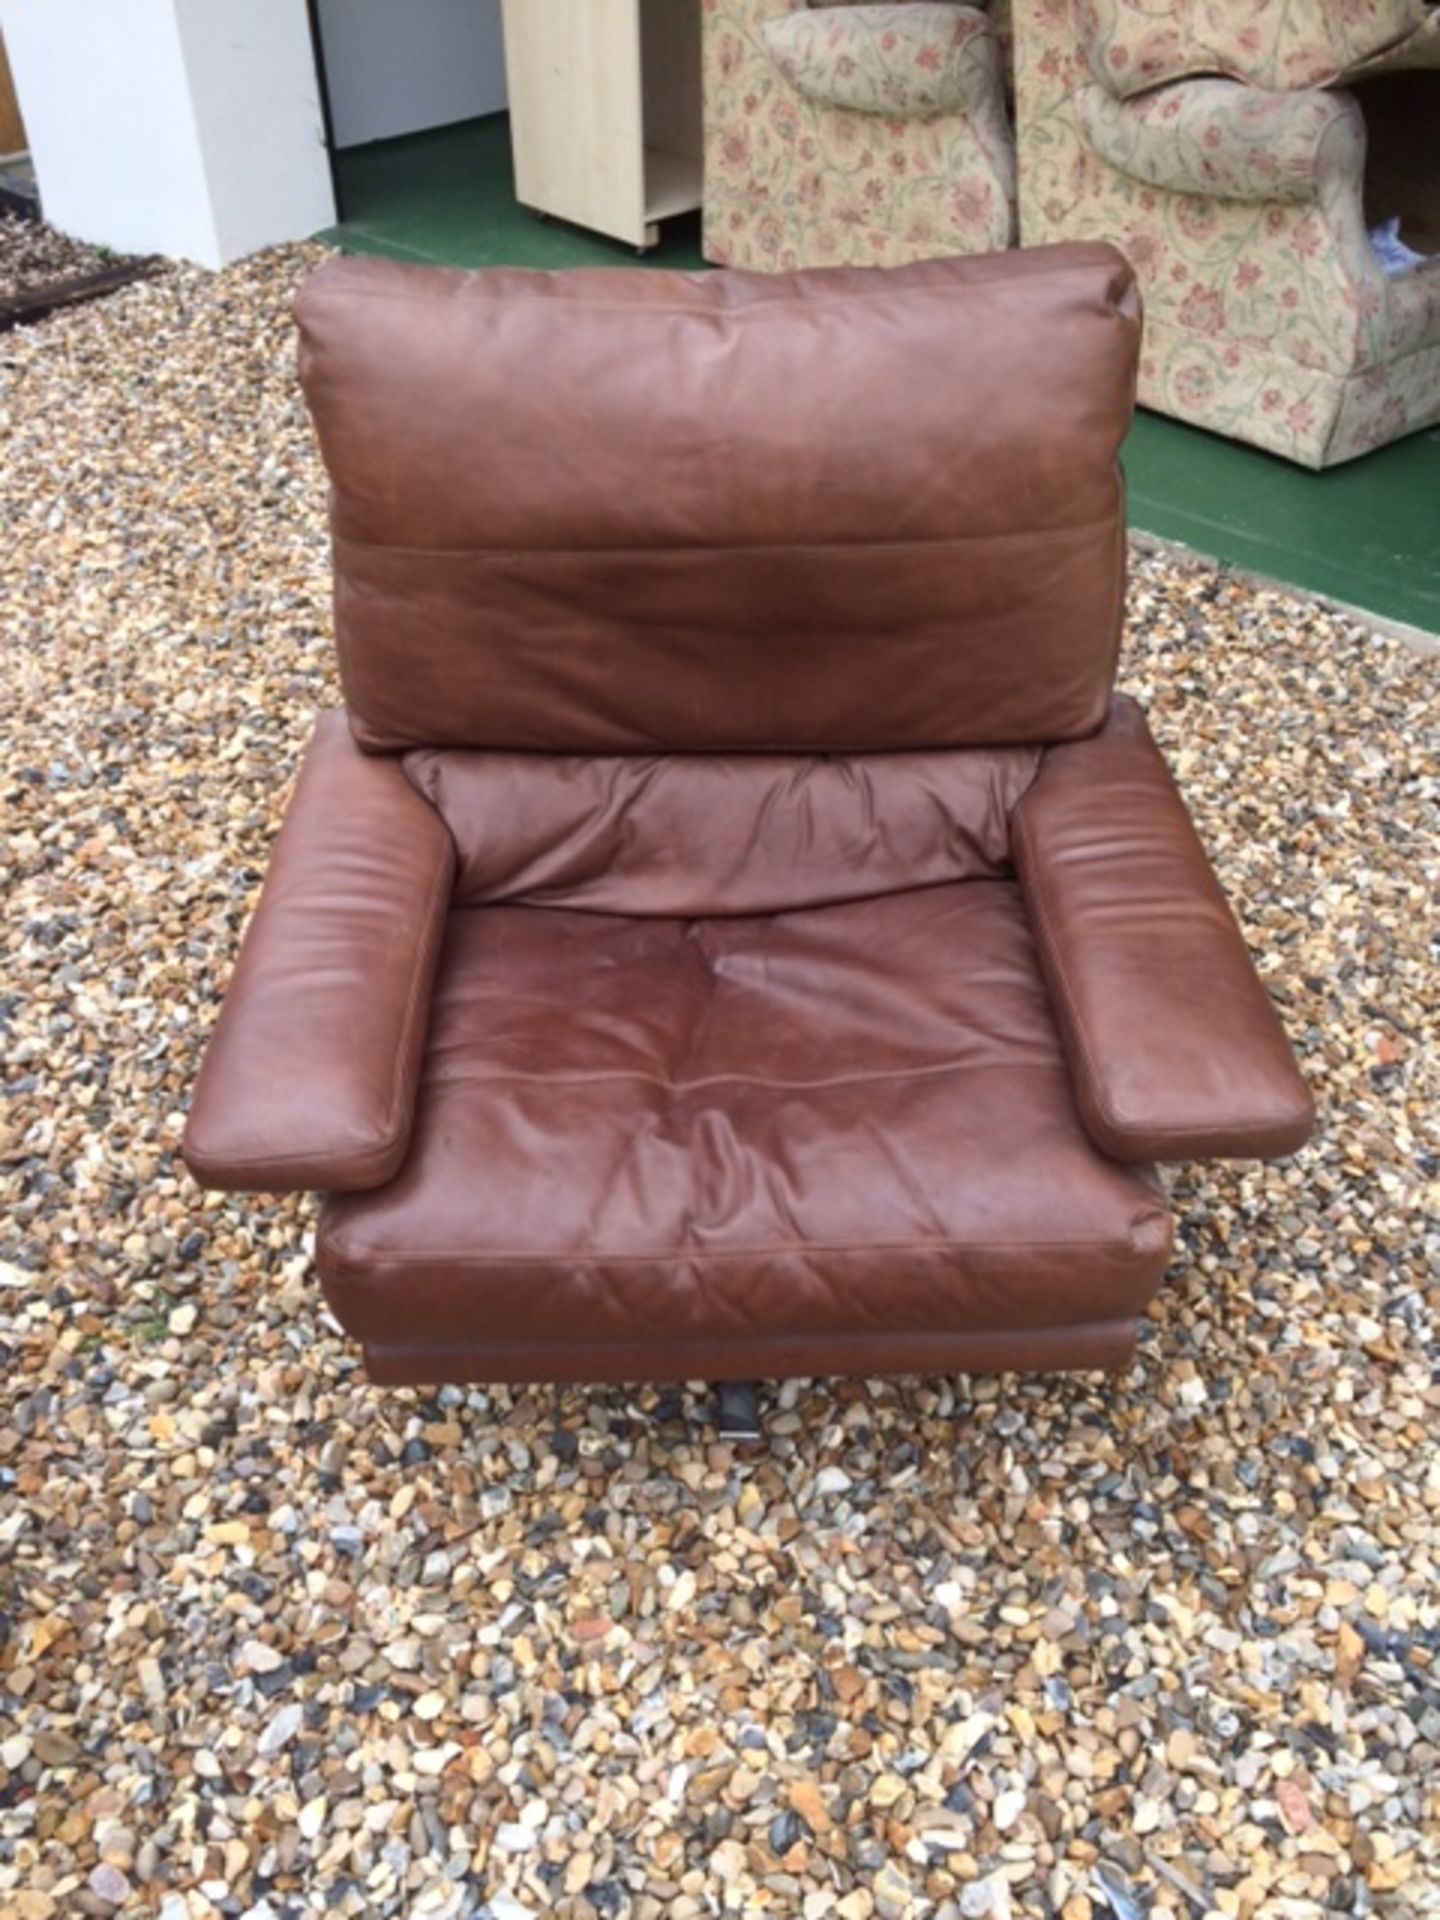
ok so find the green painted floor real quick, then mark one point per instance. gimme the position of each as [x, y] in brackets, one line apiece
[1367, 534]
[448, 197]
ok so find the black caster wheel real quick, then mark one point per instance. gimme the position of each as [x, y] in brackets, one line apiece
[737, 1410]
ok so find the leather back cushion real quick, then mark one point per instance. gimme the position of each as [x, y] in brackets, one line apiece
[611, 510]
[702, 834]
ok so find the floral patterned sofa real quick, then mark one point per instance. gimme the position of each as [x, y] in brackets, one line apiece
[860, 135]
[1241, 157]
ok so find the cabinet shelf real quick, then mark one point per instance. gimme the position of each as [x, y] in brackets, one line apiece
[605, 111]
[672, 183]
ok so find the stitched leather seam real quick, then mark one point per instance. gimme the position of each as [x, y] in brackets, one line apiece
[801, 1249]
[1012, 815]
[339, 1159]
[505, 1076]
[1017, 265]
[1033, 886]
[413, 1029]
[947, 543]
[850, 1336]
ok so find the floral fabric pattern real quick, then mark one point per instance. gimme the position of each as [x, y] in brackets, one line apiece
[1280, 44]
[907, 61]
[1267, 315]
[997, 11]
[790, 182]
[1217, 137]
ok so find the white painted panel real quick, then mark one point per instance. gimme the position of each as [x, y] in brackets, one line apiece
[256, 99]
[103, 89]
[395, 68]
[184, 127]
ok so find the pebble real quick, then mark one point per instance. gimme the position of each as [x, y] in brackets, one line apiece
[1008, 1808]
[278, 1641]
[988, 1896]
[892, 1893]
[109, 1884]
[33, 255]
[280, 1731]
[512, 1837]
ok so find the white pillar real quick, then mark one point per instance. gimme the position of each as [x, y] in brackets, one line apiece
[185, 127]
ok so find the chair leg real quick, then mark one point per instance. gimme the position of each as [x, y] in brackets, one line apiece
[737, 1409]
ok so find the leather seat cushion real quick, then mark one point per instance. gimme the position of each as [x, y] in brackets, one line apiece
[849, 1119]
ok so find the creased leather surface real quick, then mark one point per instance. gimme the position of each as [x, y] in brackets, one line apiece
[845, 1121]
[677, 834]
[1175, 1048]
[309, 1077]
[613, 511]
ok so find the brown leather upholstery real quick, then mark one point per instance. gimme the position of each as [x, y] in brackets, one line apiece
[838, 1045]
[1174, 1048]
[838, 1124]
[720, 833]
[816, 511]
[309, 1080]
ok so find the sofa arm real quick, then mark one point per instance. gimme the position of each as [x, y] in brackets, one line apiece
[1224, 140]
[309, 1079]
[1174, 1049]
[907, 61]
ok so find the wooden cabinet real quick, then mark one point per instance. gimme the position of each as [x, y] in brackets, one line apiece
[605, 114]
[12, 127]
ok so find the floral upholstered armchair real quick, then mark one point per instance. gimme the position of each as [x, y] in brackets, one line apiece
[1243, 156]
[859, 135]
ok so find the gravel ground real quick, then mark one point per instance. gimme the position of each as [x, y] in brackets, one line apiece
[276, 1643]
[34, 255]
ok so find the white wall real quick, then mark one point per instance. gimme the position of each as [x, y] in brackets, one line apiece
[184, 127]
[256, 100]
[106, 105]
[395, 66]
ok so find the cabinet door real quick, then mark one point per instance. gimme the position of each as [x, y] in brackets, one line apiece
[576, 120]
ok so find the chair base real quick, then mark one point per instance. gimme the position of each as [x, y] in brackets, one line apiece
[1101, 1346]
[737, 1410]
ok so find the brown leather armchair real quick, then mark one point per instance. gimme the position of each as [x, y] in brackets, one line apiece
[733, 928]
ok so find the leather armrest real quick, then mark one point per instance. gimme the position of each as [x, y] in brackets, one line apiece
[309, 1079]
[1174, 1048]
